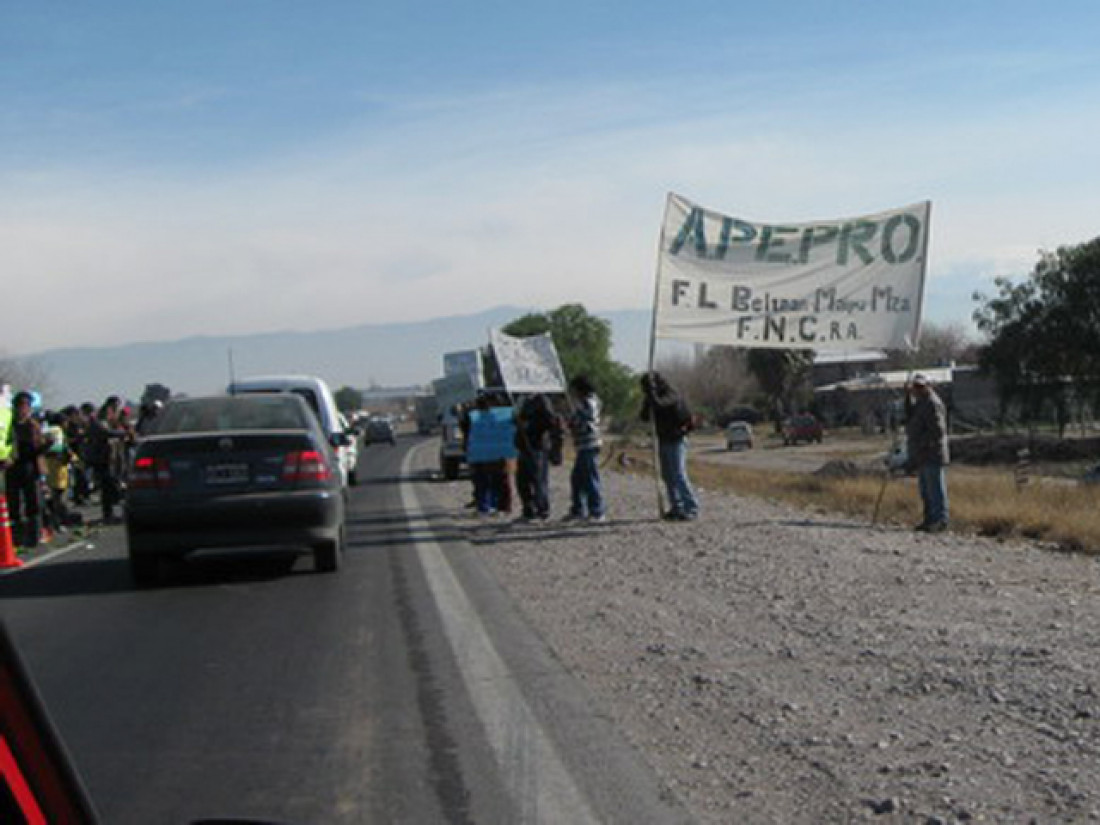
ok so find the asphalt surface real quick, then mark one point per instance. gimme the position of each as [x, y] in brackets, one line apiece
[404, 688]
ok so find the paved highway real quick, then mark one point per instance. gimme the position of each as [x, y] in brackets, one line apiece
[405, 688]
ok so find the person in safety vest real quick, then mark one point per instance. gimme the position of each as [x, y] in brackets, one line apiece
[7, 444]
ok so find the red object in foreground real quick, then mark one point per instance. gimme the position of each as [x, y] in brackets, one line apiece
[7, 545]
[38, 782]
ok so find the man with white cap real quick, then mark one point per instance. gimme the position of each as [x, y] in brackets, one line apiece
[926, 436]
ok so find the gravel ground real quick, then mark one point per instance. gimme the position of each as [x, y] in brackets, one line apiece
[779, 666]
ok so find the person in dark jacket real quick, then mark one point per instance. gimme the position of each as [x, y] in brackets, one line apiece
[537, 436]
[103, 434]
[928, 454]
[23, 477]
[672, 421]
[76, 432]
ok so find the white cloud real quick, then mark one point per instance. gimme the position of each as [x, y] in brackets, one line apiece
[526, 197]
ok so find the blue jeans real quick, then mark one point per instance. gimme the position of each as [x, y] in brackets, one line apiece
[673, 458]
[933, 492]
[485, 488]
[584, 484]
[533, 483]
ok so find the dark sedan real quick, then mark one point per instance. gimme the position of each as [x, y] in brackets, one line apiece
[243, 471]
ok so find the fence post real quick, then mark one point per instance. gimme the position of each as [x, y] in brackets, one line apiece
[1023, 469]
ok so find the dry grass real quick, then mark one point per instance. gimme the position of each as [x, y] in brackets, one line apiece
[983, 501]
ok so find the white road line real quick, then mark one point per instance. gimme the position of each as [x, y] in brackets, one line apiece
[61, 551]
[536, 778]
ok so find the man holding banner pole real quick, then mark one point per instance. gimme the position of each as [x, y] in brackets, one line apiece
[672, 421]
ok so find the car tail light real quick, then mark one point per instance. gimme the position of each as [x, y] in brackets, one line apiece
[150, 474]
[306, 465]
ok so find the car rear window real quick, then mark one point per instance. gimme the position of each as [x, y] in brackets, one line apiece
[234, 412]
[302, 392]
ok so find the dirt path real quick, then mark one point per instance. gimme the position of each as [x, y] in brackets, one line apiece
[780, 667]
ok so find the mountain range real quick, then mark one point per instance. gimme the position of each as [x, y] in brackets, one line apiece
[370, 355]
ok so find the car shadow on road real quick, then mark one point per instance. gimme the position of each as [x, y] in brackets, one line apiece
[98, 577]
[84, 577]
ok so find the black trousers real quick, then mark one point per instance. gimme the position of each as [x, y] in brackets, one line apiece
[24, 504]
[110, 492]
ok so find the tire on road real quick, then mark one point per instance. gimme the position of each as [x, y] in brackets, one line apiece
[328, 554]
[145, 569]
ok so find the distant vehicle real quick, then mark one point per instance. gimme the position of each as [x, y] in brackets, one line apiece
[234, 471]
[738, 436]
[1092, 476]
[803, 427]
[379, 431]
[427, 414]
[320, 399]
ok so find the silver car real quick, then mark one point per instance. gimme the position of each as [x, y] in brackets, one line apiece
[739, 436]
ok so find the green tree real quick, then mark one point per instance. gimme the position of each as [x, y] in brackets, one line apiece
[583, 342]
[348, 399]
[156, 392]
[783, 375]
[1044, 331]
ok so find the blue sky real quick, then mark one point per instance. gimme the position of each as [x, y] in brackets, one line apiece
[173, 169]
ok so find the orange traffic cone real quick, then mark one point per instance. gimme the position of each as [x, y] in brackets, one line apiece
[7, 546]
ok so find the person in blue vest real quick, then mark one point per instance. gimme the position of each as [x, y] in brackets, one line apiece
[491, 446]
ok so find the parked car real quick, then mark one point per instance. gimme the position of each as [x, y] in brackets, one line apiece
[738, 436]
[241, 471]
[380, 431]
[802, 427]
[1092, 476]
[320, 399]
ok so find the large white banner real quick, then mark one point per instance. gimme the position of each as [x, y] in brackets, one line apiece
[528, 365]
[827, 285]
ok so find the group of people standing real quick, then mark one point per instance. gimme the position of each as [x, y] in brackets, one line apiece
[53, 461]
[538, 437]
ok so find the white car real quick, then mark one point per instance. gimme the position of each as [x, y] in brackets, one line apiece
[739, 435]
[320, 399]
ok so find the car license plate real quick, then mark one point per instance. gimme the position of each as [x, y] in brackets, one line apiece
[220, 474]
